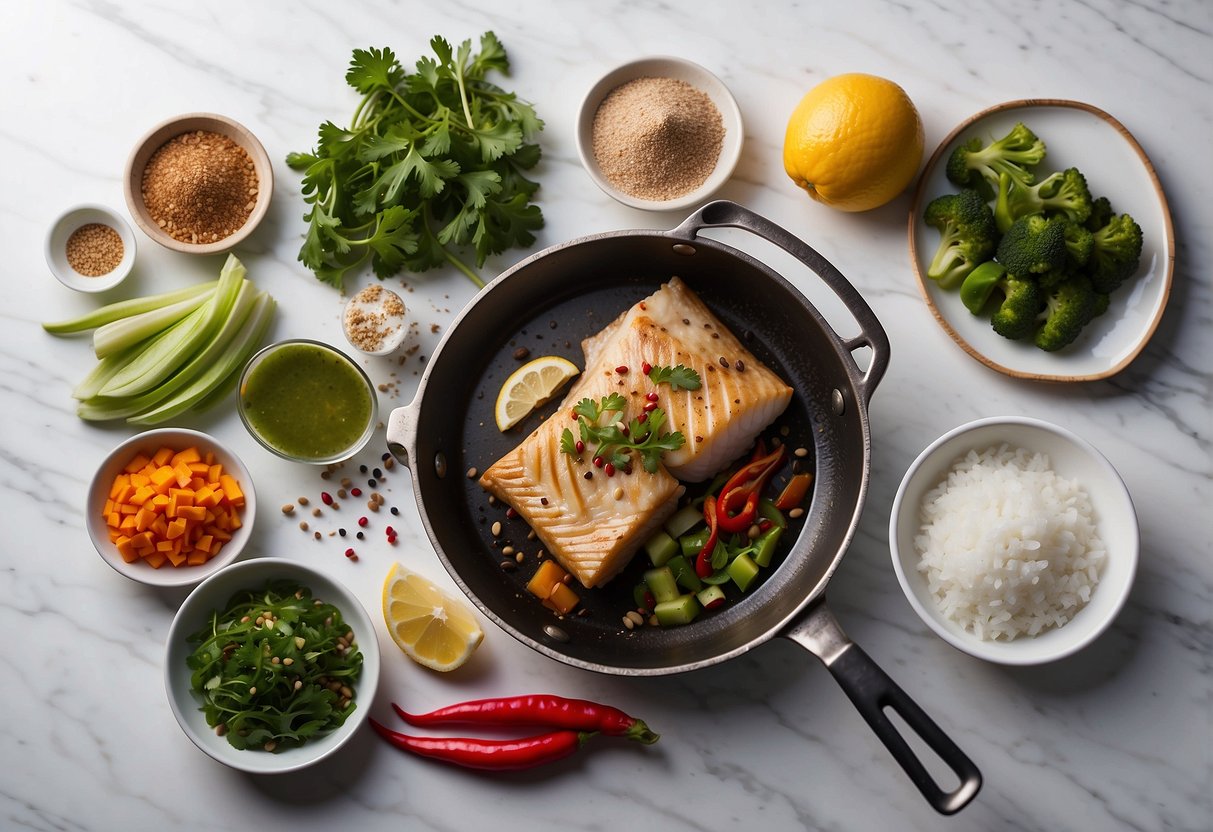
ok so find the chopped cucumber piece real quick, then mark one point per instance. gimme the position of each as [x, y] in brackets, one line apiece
[766, 508]
[662, 584]
[764, 546]
[683, 520]
[743, 571]
[680, 610]
[661, 547]
[710, 596]
[684, 574]
[692, 543]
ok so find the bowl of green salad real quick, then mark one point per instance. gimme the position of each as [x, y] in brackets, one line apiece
[271, 666]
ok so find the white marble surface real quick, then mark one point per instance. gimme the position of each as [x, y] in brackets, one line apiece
[1117, 737]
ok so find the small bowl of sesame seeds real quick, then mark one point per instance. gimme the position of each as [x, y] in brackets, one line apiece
[90, 248]
[198, 183]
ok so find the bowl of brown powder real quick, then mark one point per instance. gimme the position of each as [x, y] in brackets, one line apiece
[198, 183]
[659, 133]
[90, 248]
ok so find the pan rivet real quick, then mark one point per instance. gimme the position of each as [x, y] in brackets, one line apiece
[683, 249]
[838, 402]
[555, 632]
[440, 464]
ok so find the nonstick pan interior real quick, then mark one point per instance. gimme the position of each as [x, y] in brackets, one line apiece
[547, 305]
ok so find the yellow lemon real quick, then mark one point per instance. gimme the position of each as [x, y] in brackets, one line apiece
[430, 626]
[853, 142]
[529, 386]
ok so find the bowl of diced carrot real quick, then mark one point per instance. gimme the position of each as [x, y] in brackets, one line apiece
[171, 506]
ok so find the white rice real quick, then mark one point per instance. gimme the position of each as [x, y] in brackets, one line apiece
[1008, 547]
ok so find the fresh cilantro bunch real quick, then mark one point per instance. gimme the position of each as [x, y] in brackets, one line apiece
[431, 164]
[643, 434]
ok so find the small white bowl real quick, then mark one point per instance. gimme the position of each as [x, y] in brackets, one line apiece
[213, 594]
[681, 70]
[148, 443]
[1071, 457]
[66, 225]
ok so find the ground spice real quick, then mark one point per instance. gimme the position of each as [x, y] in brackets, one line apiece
[657, 138]
[94, 249]
[374, 320]
[200, 187]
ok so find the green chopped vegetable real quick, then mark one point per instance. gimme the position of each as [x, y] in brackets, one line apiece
[679, 378]
[597, 424]
[127, 309]
[431, 163]
[274, 682]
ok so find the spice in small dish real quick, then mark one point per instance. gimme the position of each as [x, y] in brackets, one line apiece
[657, 138]
[374, 321]
[94, 249]
[200, 187]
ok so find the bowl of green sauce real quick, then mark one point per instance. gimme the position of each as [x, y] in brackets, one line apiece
[307, 402]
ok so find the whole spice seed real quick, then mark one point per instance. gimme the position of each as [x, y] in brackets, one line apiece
[200, 187]
[657, 138]
[94, 250]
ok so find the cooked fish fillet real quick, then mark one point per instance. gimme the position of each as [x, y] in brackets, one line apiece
[594, 526]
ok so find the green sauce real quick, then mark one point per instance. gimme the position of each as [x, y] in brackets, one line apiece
[307, 402]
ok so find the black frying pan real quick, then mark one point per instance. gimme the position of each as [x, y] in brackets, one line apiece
[548, 303]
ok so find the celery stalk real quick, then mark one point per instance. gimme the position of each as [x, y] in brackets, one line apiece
[179, 344]
[118, 335]
[238, 351]
[102, 408]
[105, 370]
[126, 309]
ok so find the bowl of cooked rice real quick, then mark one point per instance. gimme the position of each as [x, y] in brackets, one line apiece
[1014, 539]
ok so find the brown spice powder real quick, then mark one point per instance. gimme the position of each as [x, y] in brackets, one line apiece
[94, 250]
[373, 317]
[657, 138]
[200, 187]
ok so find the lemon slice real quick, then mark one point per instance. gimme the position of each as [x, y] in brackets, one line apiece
[430, 626]
[531, 385]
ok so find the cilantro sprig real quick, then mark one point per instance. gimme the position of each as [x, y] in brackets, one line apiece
[679, 377]
[599, 431]
[432, 163]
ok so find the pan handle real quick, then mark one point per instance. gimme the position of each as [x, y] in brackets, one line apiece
[871, 691]
[402, 432]
[725, 214]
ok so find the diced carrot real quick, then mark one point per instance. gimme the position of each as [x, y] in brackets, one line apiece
[206, 496]
[204, 543]
[232, 494]
[162, 456]
[183, 474]
[164, 546]
[159, 503]
[140, 479]
[124, 493]
[144, 519]
[176, 528]
[199, 468]
[125, 549]
[562, 599]
[163, 475]
[156, 560]
[218, 534]
[120, 482]
[195, 513]
[136, 464]
[115, 519]
[142, 495]
[186, 456]
[196, 558]
[109, 507]
[213, 473]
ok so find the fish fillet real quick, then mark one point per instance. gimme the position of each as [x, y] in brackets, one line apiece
[594, 526]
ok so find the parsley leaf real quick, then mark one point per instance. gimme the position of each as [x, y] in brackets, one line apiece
[679, 377]
[614, 445]
[430, 165]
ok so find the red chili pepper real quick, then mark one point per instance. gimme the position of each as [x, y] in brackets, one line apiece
[793, 493]
[537, 711]
[490, 755]
[738, 505]
[703, 561]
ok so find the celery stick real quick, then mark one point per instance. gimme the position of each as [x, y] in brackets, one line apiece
[127, 309]
[180, 343]
[661, 583]
[661, 547]
[117, 336]
[101, 408]
[680, 610]
[233, 358]
[105, 370]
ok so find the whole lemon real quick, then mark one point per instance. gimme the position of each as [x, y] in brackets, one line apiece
[853, 142]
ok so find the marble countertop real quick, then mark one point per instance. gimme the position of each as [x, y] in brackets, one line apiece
[1116, 737]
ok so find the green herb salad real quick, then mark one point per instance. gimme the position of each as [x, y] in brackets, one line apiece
[275, 667]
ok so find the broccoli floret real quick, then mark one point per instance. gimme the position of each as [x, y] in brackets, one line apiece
[1068, 308]
[1079, 243]
[1102, 301]
[1101, 213]
[1022, 302]
[1033, 245]
[1013, 154]
[967, 235]
[1064, 193]
[1115, 253]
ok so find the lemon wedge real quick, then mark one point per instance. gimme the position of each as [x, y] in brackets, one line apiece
[531, 385]
[429, 625]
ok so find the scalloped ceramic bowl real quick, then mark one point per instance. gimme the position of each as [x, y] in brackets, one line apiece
[213, 594]
[148, 443]
[1071, 457]
[678, 69]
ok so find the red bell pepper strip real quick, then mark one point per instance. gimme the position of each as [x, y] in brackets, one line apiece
[539, 711]
[793, 493]
[738, 505]
[490, 755]
[703, 561]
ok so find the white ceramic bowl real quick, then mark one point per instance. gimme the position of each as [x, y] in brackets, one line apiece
[681, 70]
[1071, 457]
[148, 443]
[213, 594]
[56, 247]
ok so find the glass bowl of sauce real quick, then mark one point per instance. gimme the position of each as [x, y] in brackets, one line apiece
[307, 402]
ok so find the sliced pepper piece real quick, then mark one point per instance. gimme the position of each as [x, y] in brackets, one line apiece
[793, 493]
[738, 504]
[703, 561]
